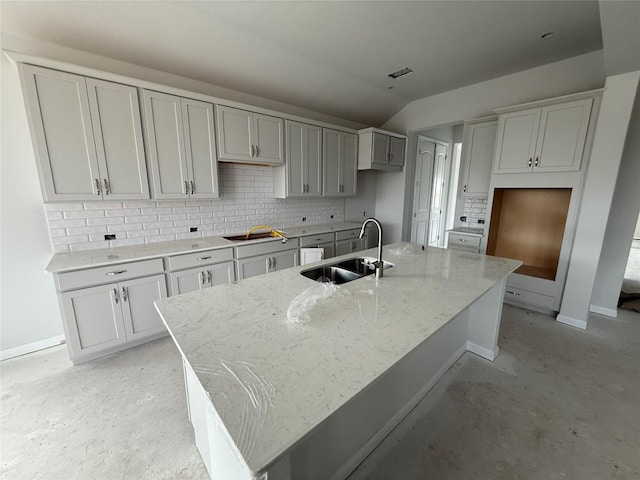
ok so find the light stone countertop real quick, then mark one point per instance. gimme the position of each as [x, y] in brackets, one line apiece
[468, 231]
[272, 380]
[63, 262]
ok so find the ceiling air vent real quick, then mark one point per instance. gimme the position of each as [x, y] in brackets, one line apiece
[400, 73]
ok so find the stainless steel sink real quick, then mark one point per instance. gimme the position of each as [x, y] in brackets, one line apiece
[331, 274]
[344, 271]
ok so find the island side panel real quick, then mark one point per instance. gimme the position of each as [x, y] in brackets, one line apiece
[348, 436]
[484, 322]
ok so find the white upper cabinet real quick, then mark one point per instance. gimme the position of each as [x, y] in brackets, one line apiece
[546, 139]
[478, 145]
[181, 146]
[302, 174]
[339, 169]
[380, 150]
[87, 136]
[250, 137]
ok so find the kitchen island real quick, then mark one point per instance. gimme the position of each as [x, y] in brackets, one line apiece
[308, 392]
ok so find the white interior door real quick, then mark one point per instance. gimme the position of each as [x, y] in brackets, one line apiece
[422, 189]
[437, 197]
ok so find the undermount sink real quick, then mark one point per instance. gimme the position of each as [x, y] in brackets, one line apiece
[344, 271]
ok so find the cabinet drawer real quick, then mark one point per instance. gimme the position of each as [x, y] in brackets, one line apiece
[191, 260]
[525, 296]
[316, 239]
[467, 241]
[112, 273]
[265, 248]
[347, 234]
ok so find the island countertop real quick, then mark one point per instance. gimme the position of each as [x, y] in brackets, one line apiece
[272, 379]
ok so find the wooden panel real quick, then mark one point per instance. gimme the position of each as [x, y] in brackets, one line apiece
[528, 224]
[516, 141]
[269, 134]
[234, 134]
[396, 151]
[141, 319]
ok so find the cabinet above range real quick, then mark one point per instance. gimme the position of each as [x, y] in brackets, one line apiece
[380, 150]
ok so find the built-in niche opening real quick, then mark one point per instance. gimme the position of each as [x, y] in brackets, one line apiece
[528, 224]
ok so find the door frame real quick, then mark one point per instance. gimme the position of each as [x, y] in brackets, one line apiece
[445, 191]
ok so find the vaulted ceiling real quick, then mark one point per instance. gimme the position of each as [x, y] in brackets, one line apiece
[329, 56]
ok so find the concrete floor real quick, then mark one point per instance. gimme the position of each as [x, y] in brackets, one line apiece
[557, 403]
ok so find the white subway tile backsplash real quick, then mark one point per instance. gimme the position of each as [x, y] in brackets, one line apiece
[247, 200]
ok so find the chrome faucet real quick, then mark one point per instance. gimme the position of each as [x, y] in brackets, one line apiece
[379, 264]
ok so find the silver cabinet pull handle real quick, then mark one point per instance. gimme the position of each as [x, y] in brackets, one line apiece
[106, 186]
[118, 272]
[268, 264]
[115, 295]
[274, 262]
[257, 151]
[201, 275]
[536, 163]
[97, 186]
[186, 187]
[252, 147]
[391, 157]
[462, 240]
[464, 189]
[530, 159]
[193, 187]
[512, 292]
[209, 276]
[125, 294]
[204, 258]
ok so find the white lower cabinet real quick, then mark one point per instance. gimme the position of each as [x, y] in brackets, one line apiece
[107, 318]
[201, 277]
[344, 247]
[107, 309]
[250, 267]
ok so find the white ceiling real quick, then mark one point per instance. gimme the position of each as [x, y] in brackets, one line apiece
[331, 57]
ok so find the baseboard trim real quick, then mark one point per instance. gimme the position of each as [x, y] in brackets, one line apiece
[573, 322]
[31, 347]
[607, 312]
[482, 352]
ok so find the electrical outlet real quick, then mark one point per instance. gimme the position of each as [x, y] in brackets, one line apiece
[331, 216]
[304, 219]
[193, 229]
[481, 221]
[364, 213]
[110, 236]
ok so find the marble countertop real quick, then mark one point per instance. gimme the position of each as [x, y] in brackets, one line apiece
[62, 262]
[468, 230]
[273, 374]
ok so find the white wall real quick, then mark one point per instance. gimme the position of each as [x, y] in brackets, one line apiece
[602, 173]
[581, 73]
[28, 304]
[622, 222]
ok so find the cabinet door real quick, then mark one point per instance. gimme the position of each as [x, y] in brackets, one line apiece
[234, 134]
[58, 111]
[117, 129]
[331, 162]
[284, 260]
[268, 139]
[563, 130]
[200, 149]
[312, 167]
[329, 249]
[141, 319]
[250, 267]
[221, 273]
[347, 246]
[516, 141]
[165, 140]
[349, 163]
[380, 154]
[396, 151]
[188, 280]
[479, 146]
[296, 179]
[94, 319]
